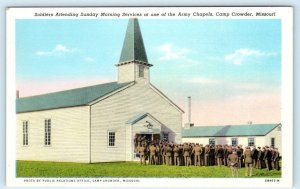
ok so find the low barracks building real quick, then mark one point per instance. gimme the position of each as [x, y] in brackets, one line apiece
[99, 123]
[245, 135]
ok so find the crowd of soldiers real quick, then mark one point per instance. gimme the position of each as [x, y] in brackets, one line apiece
[168, 153]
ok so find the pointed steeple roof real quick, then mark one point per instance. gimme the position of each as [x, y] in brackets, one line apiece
[133, 46]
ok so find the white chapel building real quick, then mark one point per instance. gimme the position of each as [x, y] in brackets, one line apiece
[98, 123]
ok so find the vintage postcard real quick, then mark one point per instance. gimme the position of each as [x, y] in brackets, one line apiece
[150, 96]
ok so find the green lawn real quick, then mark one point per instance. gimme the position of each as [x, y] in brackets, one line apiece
[127, 169]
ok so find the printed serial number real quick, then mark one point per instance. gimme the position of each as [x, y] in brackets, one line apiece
[272, 180]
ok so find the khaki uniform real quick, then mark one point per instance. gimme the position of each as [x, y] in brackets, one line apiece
[206, 155]
[259, 159]
[176, 156]
[169, 155]
[219, 154]
[276, 160]
[187, 155]
[197, 152]
[202, 155]
[164, 154]
[159, 155]
[233, 161]
[248, 162]
[142, 152]
[152, 158]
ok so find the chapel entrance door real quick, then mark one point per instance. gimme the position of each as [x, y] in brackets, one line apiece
[147, 137]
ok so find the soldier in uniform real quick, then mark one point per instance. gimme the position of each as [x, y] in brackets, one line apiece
[212, 155]
[142, 152]
[152, 157]
[187, 154]
[219, 152]
[239, 154]
[272, 157]
[267, 158]
[159, 154]
[233, 163]
[206, 155]
[176, 155]
[229, 151]
[164, 154]
[248, 161]
[169, 155]
[225, 152]
[197, 151]
[254, 156]
[276, 160]
[263, 152]
[181, 159]
[202, 159]
[259, 158]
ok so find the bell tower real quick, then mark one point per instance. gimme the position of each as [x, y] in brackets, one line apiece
[133, 64]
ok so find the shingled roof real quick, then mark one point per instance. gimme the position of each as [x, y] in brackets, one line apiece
[229, 130]
[68, 98]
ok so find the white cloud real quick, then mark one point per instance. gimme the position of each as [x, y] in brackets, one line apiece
[59, 49]
[89, 59]
[172, 53]
[239, 56]
[203, 80]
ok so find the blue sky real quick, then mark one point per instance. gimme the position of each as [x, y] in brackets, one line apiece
[222, 64]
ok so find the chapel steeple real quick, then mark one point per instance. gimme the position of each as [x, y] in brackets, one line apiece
[133, 64]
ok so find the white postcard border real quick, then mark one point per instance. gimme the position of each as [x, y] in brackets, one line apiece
[283, 13]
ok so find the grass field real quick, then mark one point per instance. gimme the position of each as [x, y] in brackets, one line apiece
[128, 169]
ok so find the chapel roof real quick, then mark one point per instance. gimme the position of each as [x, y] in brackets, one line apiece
[67, 98]
[229, 130]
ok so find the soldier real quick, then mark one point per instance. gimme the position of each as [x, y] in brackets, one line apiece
[242, 157]
[219, 152]
[225, 152]
[267, 158]
[197, 151]
[272, 157]
[187, 154]
[176, 155]
[233, 163]
[254, 153]
[139, 142]
[202, 155]
[248, 161]
[169, 155]
[229, 151]
[212, 155]
[181, 159]
[262, 158]
[159, 154]
[276, 160]
[152, 158]
[206, 155]
[164, 154]
[259, 158]
[239, 154]
[142, 152]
